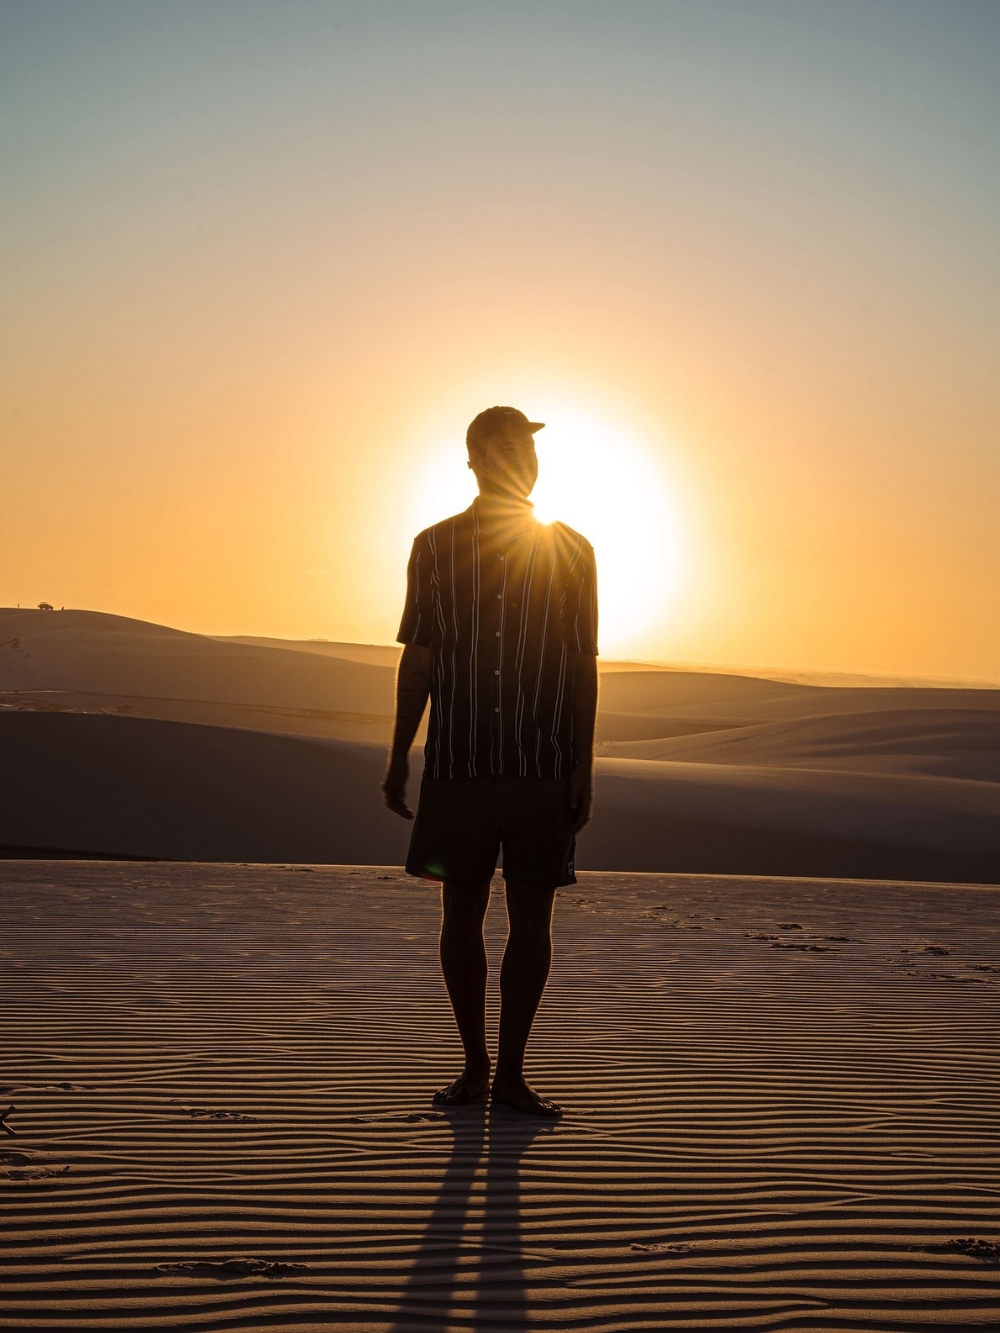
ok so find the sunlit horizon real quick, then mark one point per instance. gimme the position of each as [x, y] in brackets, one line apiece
[740, 259]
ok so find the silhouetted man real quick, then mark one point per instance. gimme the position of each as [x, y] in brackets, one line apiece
[500, 628]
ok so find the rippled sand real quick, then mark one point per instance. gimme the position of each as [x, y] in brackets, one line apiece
[783, 1107]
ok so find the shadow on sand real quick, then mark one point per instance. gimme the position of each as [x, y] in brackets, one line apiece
[469, 1269]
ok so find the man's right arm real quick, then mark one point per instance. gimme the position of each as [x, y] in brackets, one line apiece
[413, 687]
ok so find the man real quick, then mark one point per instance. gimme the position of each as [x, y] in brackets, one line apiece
[500, 631]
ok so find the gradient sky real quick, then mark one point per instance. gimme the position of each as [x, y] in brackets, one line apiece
[262, 262]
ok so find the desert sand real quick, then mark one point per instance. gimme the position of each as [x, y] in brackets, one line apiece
[783, 1107]
[122, 738]
[177, 791]
[375, 654]
[92, 662]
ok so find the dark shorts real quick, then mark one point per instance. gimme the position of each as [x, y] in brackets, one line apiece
[462, 823]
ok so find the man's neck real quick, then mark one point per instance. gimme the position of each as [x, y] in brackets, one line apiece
[497, 504]
[505, 518]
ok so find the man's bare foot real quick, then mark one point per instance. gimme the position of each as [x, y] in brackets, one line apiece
[514, 1091]
[468, 1087]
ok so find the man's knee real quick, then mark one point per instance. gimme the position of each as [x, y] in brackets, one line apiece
[462, 903]
[529, 908]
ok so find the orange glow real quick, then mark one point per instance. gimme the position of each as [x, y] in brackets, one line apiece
[249, 322]
[605, 486]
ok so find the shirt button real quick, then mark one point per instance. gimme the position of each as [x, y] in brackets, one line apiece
[496, 710]
[498, 634]
[496, 673]
[499, 596]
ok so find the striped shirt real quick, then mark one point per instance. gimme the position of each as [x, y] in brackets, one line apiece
[502, 611]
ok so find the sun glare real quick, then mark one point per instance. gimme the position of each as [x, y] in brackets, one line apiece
[612, 491]
[609, 489]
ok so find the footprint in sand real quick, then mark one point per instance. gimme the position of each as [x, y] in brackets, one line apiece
[11, 1157]
[987, 1251]
[661, 1249]
[804, 948]
[33, 1172]
[398, 1117]
[207, 1113]
[225, 1270]
[18, 1166]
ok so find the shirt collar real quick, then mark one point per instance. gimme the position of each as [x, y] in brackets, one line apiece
[501, 528]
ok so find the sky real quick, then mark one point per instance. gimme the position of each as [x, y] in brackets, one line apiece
[262, 262]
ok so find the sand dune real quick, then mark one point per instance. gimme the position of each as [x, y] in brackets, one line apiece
[320, 723]
[87, 651]
[957, 743]
[782, 1102]
[638, 727]
[663, 691]
[743, 700]
[130, 786]
[93, 662]
[375, 654]
[90, 662]
[136, 787]
[699, 771]
[730, 819]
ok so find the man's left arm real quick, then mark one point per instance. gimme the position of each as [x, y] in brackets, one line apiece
[584, 715]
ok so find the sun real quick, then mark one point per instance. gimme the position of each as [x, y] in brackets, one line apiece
[609, 488]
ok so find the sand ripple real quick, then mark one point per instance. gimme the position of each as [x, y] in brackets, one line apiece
[222, 1076]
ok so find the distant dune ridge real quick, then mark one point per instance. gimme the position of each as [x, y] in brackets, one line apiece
[947, 742]
[121, 737]
[88, 660]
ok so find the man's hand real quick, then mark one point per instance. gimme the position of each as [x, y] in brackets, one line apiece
[394, 786]
[581, 794]
[413, 684]
[581, 783]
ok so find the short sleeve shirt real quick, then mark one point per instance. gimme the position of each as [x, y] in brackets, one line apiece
[502, 612]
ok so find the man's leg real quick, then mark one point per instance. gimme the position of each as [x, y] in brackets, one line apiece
[463, 962]
[523, 976]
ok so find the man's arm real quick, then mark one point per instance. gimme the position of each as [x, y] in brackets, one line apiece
[413, 686]
[584, 715]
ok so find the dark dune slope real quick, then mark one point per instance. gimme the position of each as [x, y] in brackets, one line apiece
[97, 784]
[132, 786]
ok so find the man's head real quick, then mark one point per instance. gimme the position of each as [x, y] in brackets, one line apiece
[501, 444]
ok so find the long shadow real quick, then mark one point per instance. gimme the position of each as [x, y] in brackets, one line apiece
[432, 1286]
[490, 1291]
[502, 1300]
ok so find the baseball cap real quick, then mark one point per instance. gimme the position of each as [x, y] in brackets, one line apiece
[494, 417]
